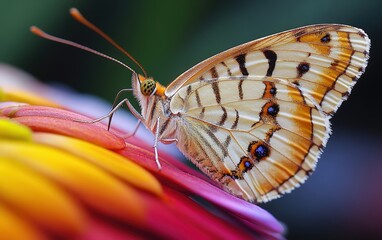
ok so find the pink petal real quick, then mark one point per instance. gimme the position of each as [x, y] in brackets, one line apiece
[54, 120]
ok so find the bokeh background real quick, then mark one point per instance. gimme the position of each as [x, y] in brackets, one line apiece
[341, 200]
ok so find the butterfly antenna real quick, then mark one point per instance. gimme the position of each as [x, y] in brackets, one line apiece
[81, 19]
[47, 36]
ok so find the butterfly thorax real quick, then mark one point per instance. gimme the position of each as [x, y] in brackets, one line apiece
[154, 105]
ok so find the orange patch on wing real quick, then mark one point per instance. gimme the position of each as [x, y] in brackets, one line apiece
[289, 169]
[321, 49]
[264, 185]
[243, 167]
[343, 39]
[302, 117]
[301, 113]
[337, 68]
[295, 95]
[269, 87]
[329, 76]
[299, 147]
[315, 39]
[318, 92]
[252, 148]
[346, 48]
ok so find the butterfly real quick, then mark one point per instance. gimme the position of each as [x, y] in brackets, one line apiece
[254, 118]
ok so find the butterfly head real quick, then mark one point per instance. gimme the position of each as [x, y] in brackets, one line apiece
[149, 87]
[147, 91]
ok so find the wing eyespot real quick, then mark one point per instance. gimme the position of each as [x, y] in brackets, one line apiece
[302, 68]
[258, 150]
[273, 110]
[326, 38]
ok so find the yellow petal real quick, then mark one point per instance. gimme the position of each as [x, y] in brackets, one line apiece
[37, 199]
[14, 130]
[28, 97]
[2, 95]
[106, 159]
[12, 227]
[90, 184]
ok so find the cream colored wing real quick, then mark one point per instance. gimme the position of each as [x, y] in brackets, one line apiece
[258, 137]
[324, 60]
[256, 117]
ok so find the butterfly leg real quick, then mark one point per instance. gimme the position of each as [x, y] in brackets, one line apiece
[169, 140]
[134, 131]
[119, 104]
[110, 114]
[156, 145]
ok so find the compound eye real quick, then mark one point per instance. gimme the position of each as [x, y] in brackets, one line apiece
[148, 87]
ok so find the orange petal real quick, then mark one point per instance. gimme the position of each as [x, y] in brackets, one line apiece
[39, 200]
[115, 164]
[90, 184]
[13, 227]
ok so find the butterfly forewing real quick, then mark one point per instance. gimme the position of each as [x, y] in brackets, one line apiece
[325, 60]
[256, 117]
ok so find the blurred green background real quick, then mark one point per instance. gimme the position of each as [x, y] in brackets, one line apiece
[342, 199]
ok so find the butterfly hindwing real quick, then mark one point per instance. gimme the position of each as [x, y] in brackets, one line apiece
[259, 143]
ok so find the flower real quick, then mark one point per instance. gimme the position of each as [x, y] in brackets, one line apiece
[61, 178]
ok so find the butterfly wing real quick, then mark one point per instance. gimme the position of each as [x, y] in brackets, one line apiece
[325, 60]
[258, 144]
[256, 117]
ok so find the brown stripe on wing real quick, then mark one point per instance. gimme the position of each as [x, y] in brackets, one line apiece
[223, 117]
[240, 87]
[238, 53]
[241, 61]
[227, 68]
[198, 102]
[272, 58]
[234, 125]
[214, 73]
[215, 88]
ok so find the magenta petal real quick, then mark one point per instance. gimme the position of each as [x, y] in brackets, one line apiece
[102, 229]
[194, 214]
[261, 220]
[166, 222]
[179, 217]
